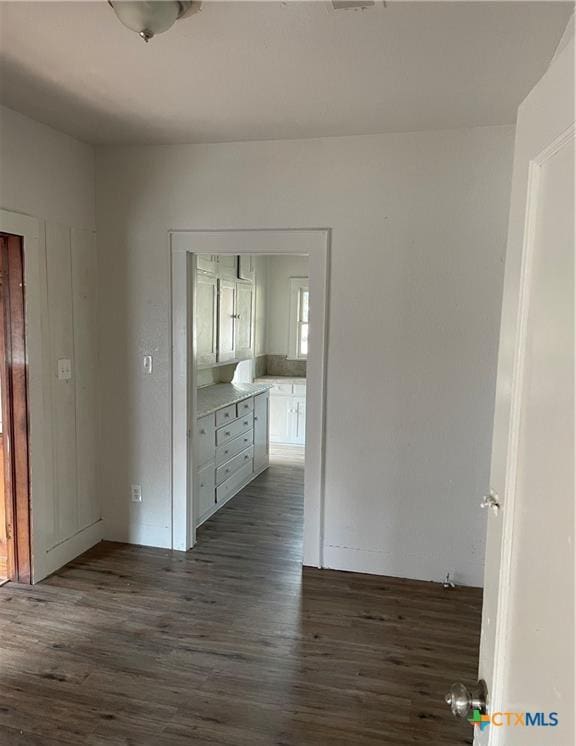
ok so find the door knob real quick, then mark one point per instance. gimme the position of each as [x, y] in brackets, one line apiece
[491, 501]
[462, 700]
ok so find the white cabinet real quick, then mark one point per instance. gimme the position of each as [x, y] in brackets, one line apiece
[288, 413]
[225, 309]
[261, 432]
[226, 321]
[206, 319]
[244, 320]
[232, 448]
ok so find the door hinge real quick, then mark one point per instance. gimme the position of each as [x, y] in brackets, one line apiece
[9, 531]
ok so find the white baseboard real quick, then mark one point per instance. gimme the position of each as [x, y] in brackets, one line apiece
[67, 550]
[143, 534]
[374, 562]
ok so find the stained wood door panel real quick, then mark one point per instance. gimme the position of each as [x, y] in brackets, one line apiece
[14, 384]
[234, 643]
[3, 538]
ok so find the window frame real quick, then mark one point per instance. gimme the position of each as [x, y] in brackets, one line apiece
[296, 287]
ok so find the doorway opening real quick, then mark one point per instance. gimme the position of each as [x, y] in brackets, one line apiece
[186, 246]
[250, 320]
[15, 552]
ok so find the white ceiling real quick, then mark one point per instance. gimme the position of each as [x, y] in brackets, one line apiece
[269, 70]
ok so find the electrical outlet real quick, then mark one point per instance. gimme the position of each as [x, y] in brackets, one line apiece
[136, 493]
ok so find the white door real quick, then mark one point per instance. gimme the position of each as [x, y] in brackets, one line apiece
[206, 318]
[260, 431]
[244, 321]
[226, 320]
[527, 647]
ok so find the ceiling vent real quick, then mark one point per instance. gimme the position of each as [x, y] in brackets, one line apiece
[353, 4]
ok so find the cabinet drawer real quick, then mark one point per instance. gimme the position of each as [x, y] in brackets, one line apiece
[231, 467]
[206, 439]
[234, 429]
[225, 415]
[206, 487]
[232, 447]
[244, 407]
[233, 484]
[281, 388]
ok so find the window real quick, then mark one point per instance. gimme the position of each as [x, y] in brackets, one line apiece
[299, 318]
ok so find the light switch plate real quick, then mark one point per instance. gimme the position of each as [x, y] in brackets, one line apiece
[64, 369]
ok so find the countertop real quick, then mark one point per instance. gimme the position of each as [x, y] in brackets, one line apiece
[281, 379]
[211, 398]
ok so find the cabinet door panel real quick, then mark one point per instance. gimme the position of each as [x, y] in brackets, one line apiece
[261, 431]
[206, 490]
[226, 321]
[246, 267]
[279, 419]
[298, 420]
[244, 325]
[207, 263]
[228, 266]
[206, 319]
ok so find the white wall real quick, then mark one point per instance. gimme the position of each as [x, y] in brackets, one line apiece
[50, 176]
[280, 270]
[419, 232]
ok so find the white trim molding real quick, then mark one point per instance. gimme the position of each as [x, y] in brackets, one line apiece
[315, 243]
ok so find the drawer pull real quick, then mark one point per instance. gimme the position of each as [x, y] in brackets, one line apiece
[246, 457]
[246, 423]
[226, 451]
[227, 432]
[255, 418]
[226, 414]
[202, 432]
[201, 484]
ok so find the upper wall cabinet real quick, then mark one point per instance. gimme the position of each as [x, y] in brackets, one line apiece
[246, 267]
[224, 309]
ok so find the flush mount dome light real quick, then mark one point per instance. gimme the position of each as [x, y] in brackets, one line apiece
[150, 18]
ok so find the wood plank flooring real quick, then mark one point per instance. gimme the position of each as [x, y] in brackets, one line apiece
[232, 644]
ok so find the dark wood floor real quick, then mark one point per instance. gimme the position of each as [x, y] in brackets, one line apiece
[232, 643]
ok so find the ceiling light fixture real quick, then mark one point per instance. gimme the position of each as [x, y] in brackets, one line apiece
[150, 18]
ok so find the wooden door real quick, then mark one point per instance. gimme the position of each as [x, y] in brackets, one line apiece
[206, 319]
[527, 649]
[244, 321]
[13, 384]
[226, 320]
